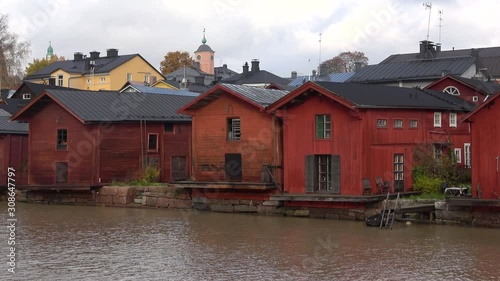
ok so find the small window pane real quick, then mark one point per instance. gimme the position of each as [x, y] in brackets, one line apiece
[153, 142]
[382, 123]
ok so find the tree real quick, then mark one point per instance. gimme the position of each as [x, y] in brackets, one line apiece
[12, 54]
[345, 62]
[38, 64]
[174, 61]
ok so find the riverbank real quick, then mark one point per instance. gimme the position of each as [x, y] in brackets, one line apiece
[227, 202]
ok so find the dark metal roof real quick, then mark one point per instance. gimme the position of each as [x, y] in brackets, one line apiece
[102, 65]
[257, 77]
[115, 106]
[204, 48]
[36, 89]
[14, 127]
[261, 96]
[12, 105]
[489, 87]
[376, 96]
[412, 70]
[141, 88]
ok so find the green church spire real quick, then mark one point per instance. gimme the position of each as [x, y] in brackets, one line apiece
[204, 40]
[50, 51]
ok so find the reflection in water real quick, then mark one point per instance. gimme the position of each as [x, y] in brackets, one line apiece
[97, 243]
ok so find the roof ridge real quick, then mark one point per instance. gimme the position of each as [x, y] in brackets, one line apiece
[429, 92]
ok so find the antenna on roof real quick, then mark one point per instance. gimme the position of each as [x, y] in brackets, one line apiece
[440, 23]
[428, 5]
[319, 51]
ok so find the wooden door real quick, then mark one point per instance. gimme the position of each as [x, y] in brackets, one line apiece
[399, 172]
[179, 168]
[61, 172]
[233, 167]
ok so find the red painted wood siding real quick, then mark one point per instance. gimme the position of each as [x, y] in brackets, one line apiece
[466, 92]
[176, 143]
[258, 145]
[485, 148]
[13, 153]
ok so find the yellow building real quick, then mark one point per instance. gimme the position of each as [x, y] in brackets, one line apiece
[96, 73]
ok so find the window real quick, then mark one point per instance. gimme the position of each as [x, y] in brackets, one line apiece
[146, 79]
[437, 119]
[102, 79]
[129, 77]
[475, 98]
[169, 127]
[458, 155]
[233, 129]
[62, 139]
[88, 81]
[61, 172]
[152, 142]
[413, 123]
[60, 80]
[398, 123]
[399, 172]
[381, 123]
[467, 161]
[323, 126]
[438, 151]
[153, 79]
[450, 90]
[322, 173]
[26, 96]
[453, 120]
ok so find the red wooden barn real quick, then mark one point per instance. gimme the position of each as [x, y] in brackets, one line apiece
[90, 138]
[13, 149]
[233, 136]
[339, 137]
[486, 149]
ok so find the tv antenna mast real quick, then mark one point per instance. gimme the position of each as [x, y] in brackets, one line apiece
[440, 23]
[319, 53]
[428, 5]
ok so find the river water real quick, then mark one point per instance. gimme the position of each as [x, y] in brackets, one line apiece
[101, 243]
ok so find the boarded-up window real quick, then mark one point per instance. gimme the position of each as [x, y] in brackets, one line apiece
[61, 172]
[62, 139]
[178, 167]
[322, 173]
[233, 129]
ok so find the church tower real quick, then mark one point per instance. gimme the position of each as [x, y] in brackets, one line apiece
[50, 52]
[205, 56]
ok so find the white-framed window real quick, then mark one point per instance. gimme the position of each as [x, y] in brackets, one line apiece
[146, 79]
[475, 98]
[102, 79]
[129, 77]
[26, 96]
[89, 81]
[453, 120]
[413, 123]
[323, 126]
[233, 129]
[398, 123]
[381, 123]
[60, 80]
[437, 119]
[458, 155]
[467, 161]
[451, 90]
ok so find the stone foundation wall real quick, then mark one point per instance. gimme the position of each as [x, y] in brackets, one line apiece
[86, 197]
[166, 197]
[466, 216]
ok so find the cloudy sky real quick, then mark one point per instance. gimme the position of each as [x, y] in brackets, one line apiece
[282, 34]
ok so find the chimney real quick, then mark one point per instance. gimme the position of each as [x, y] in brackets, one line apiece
[427, 49]
[357, 66]
[445, 72]
[294, 74]
[224, 68]
[245, 68]
[322, 69]
[314, 73]
[255, 65]
[438, 47]
[196, 65]
[94, 55]
[77, 56]
[199, 80]
[111, 53]
[52, 81]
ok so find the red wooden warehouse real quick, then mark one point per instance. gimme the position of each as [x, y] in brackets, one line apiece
[340, 138]
[13, 149]
[91, 138]
[486, 149]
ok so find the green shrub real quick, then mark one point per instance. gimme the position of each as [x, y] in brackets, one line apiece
[150, 174]
[427, 184]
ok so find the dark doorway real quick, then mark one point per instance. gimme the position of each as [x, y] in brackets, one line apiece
[61, 172]
[179, 170]
[233, 167]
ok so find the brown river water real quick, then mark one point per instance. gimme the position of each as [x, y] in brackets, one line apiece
[99, 243]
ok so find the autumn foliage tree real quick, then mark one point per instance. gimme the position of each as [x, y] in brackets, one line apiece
[13, 52]
[38, 64]
[345, 62]
[174, 61]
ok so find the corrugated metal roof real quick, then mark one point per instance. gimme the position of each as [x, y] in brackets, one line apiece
[366, 95]
[14, 127]
[257, 77]
[261, 96]
[414, 70]
[152, 90]
[332, 77]
[489, 87]
[114, 106]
